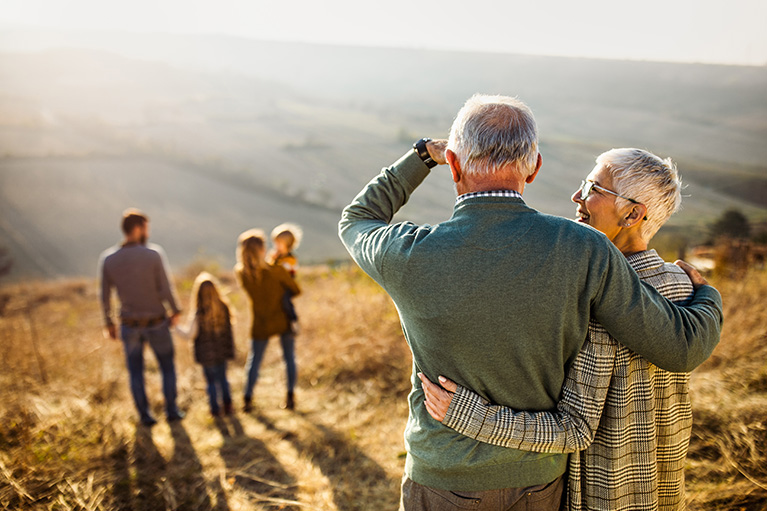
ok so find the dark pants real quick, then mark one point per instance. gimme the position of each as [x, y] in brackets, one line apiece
[252, 365]
[216, 377]
[288, 308]
[545, 497]
[160, 341]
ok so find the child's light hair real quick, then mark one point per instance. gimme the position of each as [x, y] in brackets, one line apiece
[292, 232]
[215, 315]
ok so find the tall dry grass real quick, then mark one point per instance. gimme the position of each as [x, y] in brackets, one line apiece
[69, 438]
[727, 463]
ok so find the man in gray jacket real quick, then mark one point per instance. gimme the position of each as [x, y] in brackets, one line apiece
[139, 274]
[498, 298]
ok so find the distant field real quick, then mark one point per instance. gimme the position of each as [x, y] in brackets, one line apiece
[58, 215]
[211, 136]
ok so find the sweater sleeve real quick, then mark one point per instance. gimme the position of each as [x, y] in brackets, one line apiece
[570, 428]
[674, 338]
[288, 282]
[106, 292]
[364, 227]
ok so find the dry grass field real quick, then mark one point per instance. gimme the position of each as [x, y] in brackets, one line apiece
[69, 438]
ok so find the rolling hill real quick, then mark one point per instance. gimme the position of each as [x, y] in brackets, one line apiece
[213, 135]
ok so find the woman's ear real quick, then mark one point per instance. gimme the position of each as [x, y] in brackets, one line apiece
[636, 213]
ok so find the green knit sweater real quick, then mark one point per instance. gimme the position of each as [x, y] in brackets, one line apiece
[498, 298]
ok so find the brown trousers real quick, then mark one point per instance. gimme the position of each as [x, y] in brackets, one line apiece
[544, 497]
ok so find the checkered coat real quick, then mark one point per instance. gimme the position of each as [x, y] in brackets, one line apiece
[626, 422]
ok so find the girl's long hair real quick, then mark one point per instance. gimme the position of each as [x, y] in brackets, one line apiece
[251, 247]
[212, 315]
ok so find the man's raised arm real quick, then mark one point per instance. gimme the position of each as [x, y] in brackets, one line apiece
[364, 227]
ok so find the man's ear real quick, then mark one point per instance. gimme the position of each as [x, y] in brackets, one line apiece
[454, 164]
[538, 164]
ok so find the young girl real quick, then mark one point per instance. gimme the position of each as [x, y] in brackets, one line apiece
[286, 238]
[210, 326]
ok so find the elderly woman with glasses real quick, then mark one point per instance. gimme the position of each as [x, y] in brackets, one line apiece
[626, 422]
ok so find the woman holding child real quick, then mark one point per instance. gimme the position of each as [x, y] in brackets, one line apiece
[266, 286]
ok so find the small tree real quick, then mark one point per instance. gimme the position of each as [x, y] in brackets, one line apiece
[732, 224]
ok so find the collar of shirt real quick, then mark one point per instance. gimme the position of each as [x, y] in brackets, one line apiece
[511, 194]
[645, 260]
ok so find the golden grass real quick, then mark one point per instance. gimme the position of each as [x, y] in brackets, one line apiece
[69, 438]
[727, 463]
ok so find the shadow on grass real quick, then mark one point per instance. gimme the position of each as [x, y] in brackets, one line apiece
[252, 468]
[119, 461]
[137, 469]
[185, 485]
[358, 481]
[142, 480]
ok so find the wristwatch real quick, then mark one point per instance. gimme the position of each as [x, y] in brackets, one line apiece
[420, 148]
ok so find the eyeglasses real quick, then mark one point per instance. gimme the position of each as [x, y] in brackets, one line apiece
[587, 186]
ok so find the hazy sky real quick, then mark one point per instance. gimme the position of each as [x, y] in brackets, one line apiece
[716, 31]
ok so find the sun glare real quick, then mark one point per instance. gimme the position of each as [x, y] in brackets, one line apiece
[712, 31]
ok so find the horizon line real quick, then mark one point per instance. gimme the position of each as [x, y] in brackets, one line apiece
[372, 46]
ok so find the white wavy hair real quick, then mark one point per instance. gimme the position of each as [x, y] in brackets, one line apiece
[490, 132]
[648, 179]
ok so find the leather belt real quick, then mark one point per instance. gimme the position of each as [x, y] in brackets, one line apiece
[143, 322]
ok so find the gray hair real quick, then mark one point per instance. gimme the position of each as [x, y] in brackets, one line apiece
[490, 132]
[647, 179]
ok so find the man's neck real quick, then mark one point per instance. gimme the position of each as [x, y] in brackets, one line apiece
[489, 185]
[131, 241]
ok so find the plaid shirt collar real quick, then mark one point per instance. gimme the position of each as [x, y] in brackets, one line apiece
[645, 260]
[511, 194]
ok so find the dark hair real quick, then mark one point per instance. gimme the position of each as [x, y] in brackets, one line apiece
[133, 218]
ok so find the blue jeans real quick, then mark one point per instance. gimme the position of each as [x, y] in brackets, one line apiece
[161, 342]
[216, 376]
[257, 348]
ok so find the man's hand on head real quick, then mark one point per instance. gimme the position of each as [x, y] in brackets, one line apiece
[436, 150]
[692, 272]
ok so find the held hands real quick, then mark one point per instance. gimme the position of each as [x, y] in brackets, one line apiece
[437, 399]
[695, 276]
[436, 150]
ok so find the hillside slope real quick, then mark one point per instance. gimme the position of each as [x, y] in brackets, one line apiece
[213, 135]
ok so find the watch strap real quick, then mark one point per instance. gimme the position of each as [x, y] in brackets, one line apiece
[423, 152]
